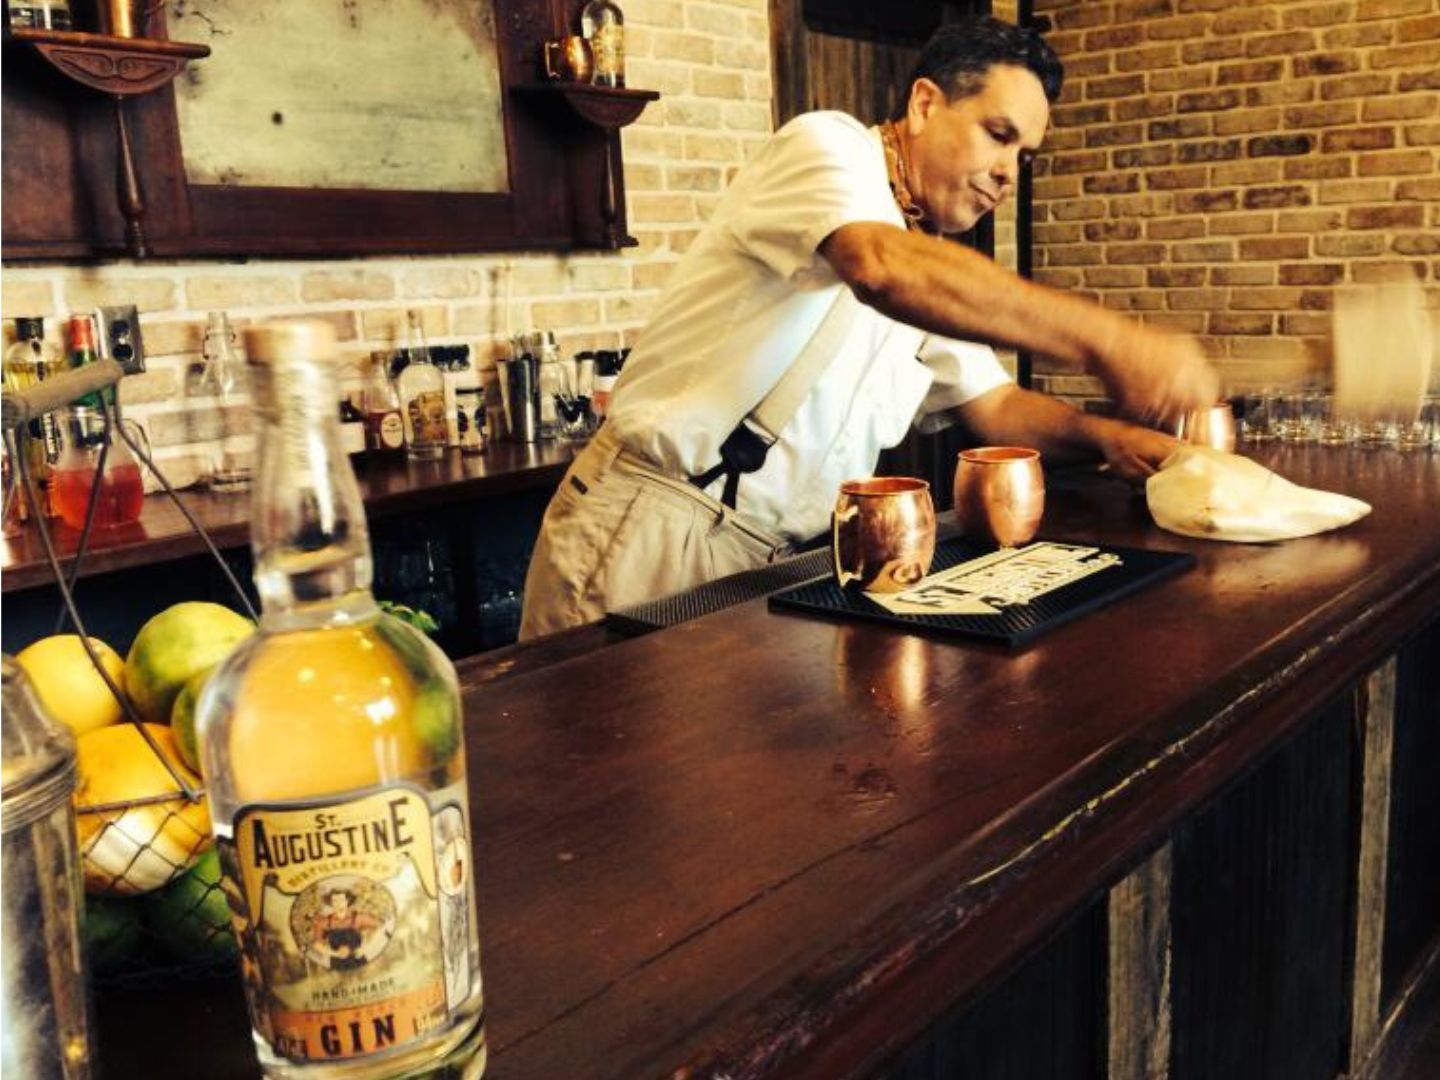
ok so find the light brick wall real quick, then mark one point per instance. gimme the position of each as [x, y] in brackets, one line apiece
[1222, 166]
[710, 61]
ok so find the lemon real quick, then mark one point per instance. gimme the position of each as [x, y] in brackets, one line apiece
[173, 647]
[148, 832]
[70, 688]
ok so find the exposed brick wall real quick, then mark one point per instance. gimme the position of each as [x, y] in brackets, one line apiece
[710, 61]
[1222, 166]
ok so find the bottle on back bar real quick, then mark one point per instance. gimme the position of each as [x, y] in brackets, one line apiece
[331, 746]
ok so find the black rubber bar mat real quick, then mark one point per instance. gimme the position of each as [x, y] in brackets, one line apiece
[1012, 625]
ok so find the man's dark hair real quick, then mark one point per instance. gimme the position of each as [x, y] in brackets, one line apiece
[959, 55]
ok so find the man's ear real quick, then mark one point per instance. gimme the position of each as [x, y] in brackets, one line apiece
[925, 97]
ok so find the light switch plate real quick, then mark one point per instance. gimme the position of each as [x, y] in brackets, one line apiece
[120, 338]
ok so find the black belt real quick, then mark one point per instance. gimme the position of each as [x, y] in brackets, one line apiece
[743, 451]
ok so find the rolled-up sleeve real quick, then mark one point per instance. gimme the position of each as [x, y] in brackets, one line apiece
[962, 371]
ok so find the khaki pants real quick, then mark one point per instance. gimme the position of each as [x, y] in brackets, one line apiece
[619, 533]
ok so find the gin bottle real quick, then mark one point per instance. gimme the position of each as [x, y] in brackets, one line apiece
[421, 388]
[602, 22]
[332, 752]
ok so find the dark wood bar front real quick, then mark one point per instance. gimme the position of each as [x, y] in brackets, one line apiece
[767, 845]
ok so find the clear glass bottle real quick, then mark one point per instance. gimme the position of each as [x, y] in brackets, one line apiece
[332, 751]
[384, 431]
[40, 14]
[224, 379]
[603, 24]
[421, 389]
[26, 363]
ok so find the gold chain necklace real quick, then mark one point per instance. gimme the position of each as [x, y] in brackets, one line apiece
[899, 181]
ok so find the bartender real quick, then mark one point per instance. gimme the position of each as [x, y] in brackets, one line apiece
[819, 314]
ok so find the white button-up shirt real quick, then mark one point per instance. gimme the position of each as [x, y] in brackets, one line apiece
[749, 294]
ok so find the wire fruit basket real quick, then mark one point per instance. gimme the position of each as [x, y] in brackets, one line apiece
[156, 903]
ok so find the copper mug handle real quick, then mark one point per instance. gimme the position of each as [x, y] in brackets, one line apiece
[839, 518]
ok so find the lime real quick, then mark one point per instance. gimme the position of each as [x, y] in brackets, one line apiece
[182, 718]
[190, 917]
[437, 719]
[173, 647]
[111, 932]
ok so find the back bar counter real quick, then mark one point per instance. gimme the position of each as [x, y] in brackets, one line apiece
[1193, 834]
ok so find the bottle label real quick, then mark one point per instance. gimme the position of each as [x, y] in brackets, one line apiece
[385, 431]
[427, 418]
[357, 919]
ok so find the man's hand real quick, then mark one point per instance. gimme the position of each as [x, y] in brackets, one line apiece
[1156, 376]
[1132, 452]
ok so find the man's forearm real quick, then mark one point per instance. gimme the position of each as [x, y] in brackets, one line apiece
[1012, 415]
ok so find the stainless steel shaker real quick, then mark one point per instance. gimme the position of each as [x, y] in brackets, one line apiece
[45, 1008]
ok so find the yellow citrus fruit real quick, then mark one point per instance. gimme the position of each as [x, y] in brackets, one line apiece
[70, 688]
[148, 839]
[351, 699]
[173, 647]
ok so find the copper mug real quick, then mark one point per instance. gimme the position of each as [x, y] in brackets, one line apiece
[882, 533]
[1000, 494]
[569, 59]
[1213, 427]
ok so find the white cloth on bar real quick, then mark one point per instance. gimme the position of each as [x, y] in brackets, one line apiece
[1218, 496]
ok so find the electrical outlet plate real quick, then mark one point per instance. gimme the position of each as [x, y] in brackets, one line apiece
[120, 337]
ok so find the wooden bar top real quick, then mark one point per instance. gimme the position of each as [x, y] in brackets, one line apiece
[389, 485]
[767, 845]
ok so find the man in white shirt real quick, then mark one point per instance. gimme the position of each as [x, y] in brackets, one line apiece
[827, 260]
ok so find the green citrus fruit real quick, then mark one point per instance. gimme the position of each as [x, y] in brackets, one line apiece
[190, 917]
[175, 646]
[182, 718]
[111, 931]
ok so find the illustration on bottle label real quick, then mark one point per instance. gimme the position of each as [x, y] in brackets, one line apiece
[355, 930]
[427, 417]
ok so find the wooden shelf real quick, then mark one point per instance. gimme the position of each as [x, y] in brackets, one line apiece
[607, 107]
[122, 66]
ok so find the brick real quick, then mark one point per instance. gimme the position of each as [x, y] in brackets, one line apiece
[1135, 253]
[1244, 121]
[1422, 134]
[1275, 247]
[20, 296]
[747, 116]
[1309, 222]
[1242, 275]
[1199, 52]
[1241, 224]
[1285, 92]
[1371, 138]
[691, 112]
[1358, 37]
[1184, 78]
[1403, 107]
[1072, 138]
[1328, 114]
[1278, 196]
[1253, 71]
[1348, 246]
[1260, 298]
[1082, 15]
[1090, 161]
[711, 148]
[342, 321]
[1175, 229]
[1101, 231]
[146, 293]
[1133, 300]
[1181, 28]
[1183, 127]
[209, 292]
[565, 313]
[1224, 150]
[1058, 278]
[742, 54]
[1333, 168]
[1112, 183]
[1081, 115]
[643, 177]
[1327, 14]
[1115, 86]
[1279, 145]
[1194, 299]
[325, 286]
[718, 84]
[1418, 190]
[1419, 80]
[442, 282]
[1170, 277]
[1385, 217]
[1224, 322]
[1203, 251]
[1114, 277]
[1147, 59]
[1076, 255]
[1209, 101]
[1112, 37]
[172, 338]
[1396, 163]
[1054, 233]
[1417, 244]
[149, 387]
[1287, 43]
[1256, 171]
[1056, 187]
[1184, 322]
[1388, 271]
[1079, 210]
[1206, 202]
[652, 275]
[1082, 66]
[1326, 63]
[693, 178]
[1141, 108]
[1143, 157]
[1350, 191]
[1204, 5]
[387, 324]
[1306, 324]
[597, 275]
[1115, 135]
[1173, 179]
[1312, 273]
[1425, 54]
[1356, 86]
[1423, 29]
[1151, 205]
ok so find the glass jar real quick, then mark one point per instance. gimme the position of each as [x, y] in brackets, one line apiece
[84, 433]
[604, 26]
